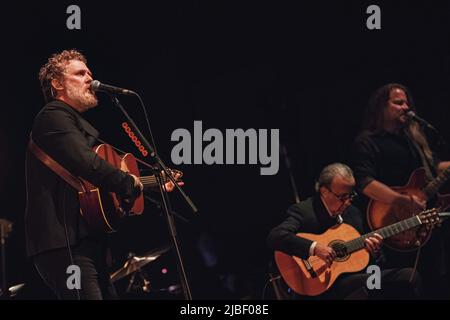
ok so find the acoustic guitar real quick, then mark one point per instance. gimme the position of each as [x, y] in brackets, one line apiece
[380, 214]
[102, 210]
[312, 276]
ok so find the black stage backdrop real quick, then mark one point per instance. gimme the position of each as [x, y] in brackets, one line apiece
[307, 69]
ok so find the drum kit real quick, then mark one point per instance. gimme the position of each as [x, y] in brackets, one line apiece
[6, 293]
[133, 268]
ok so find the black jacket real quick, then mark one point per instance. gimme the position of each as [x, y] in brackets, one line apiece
[61, 132]
[308, 216]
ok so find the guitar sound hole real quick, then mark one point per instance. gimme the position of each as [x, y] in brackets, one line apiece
[341, 250]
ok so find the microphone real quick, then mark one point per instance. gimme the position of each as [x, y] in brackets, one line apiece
[412, 115]
[98, 86]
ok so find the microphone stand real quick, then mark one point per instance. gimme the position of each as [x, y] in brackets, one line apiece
[157, 165]
[287, 162]
[441, 143]
[159, 205]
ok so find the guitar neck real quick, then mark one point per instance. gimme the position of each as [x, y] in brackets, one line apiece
[386, 232]
[149, 181]
[432, 188]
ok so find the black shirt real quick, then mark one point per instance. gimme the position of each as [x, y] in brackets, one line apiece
[386, 157]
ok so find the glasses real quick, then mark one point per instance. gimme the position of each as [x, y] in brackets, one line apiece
[344, 197]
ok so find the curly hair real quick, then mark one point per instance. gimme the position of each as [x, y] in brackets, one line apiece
[54, 69]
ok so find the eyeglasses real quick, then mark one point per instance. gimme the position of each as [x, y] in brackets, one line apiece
[344, 197]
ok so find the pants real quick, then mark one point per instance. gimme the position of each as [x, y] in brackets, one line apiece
[433, 264]
[395, 284]
[91, 257]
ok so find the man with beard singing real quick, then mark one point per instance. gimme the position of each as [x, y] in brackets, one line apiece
[56, 234]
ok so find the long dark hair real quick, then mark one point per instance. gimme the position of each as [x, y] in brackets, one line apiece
[374, 116]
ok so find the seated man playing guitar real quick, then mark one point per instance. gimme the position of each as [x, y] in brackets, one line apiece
[56, 234]
[330, 206]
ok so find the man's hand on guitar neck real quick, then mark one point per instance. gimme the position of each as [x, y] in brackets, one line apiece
[170, 186]
[373, 244]
[325, 253]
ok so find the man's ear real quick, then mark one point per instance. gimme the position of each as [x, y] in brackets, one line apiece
[323, 190]
[56, 84]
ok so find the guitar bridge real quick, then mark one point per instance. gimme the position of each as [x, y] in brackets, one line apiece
[310, 269]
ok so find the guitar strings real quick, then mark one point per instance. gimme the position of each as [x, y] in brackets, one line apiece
[152, 179]
[336, 247]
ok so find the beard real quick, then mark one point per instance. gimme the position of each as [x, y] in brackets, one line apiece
[403, 120]
[85, 98]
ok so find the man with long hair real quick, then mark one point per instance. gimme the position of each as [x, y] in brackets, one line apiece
[385, 154]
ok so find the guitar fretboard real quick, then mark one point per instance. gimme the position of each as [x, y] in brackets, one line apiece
[386, 232]
[148, 181]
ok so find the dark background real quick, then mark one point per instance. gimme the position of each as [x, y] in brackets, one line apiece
[307, 69]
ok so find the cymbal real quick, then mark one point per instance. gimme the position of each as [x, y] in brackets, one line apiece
[135, 263]
[14, 290]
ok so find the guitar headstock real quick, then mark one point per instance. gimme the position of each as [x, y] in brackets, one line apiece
[430, 217]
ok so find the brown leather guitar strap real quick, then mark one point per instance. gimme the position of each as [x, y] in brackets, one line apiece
[55, 166]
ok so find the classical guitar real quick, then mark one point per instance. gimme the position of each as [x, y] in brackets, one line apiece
[102, 210]
[380, 214]
[312, 277]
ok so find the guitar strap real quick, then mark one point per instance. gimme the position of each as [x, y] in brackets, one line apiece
[40, 154]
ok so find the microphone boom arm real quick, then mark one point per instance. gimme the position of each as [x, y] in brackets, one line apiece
[158, 165]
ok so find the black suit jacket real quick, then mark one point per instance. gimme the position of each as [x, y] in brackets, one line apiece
[61, 132]
[308, 216]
